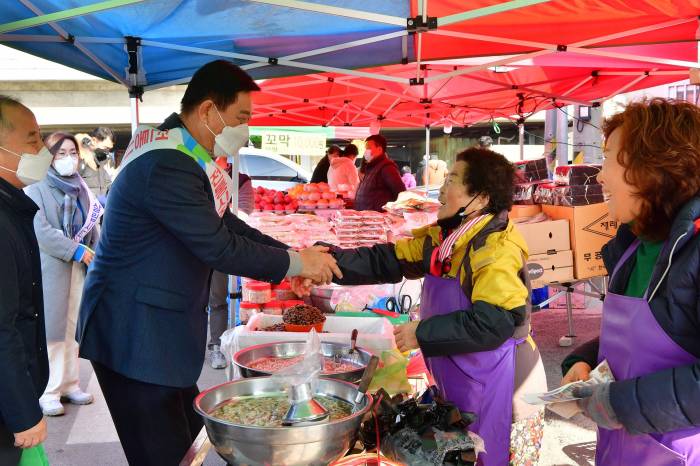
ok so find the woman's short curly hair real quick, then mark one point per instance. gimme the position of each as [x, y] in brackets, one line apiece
[660, 151]
[490, 174]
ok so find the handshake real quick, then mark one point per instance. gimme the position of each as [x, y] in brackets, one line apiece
[318, 268]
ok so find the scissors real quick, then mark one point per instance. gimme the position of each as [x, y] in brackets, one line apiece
[394, 307]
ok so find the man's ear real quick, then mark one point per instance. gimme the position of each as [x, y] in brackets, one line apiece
[203, 110]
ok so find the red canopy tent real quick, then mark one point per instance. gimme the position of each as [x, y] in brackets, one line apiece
[460, 98]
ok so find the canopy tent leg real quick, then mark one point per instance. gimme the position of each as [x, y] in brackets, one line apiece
[562, 137]
[134, 114]
[521, 140]
[550, 136]
[426, 157]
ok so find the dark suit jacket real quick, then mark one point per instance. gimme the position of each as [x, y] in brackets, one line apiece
[143, 312]
[24, 366]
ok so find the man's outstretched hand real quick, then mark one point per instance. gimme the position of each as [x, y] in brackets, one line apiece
[318, 265]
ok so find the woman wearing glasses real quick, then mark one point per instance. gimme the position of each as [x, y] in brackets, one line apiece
[67, 229]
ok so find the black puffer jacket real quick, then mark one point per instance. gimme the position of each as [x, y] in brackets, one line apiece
[667, 400]
[382, 183]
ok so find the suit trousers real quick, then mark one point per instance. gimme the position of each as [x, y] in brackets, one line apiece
[9, 453]
[218, 307]
[156, 424]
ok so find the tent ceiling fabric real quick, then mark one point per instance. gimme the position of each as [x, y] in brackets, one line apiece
[565, 78]
[181, 35]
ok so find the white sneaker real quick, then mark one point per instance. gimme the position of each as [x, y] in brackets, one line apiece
[79, 397]
[52, 408]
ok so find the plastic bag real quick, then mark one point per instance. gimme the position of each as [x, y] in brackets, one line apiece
[355, 298]
[35, 456]
[307, 370]
[392, 375]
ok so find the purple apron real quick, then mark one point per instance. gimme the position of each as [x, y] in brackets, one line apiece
[635, 345]
[482, 382]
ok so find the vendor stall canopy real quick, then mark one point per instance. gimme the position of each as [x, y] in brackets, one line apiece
[505, 58]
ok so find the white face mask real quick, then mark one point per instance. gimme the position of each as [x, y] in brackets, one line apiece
[32, 168]
[231, 139]
[368, 155]
[65, 166]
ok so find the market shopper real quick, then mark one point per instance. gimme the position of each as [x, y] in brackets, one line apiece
[435, 173]
[380, 181]
[407, 177]
[96, 154]
[218, 288]
[342, 170]
[650, 333]
[24, 368]
[143, 316]
[320, 174]
[67, 228]
[475, 318]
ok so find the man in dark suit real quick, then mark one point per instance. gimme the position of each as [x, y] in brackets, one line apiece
[143, 316]
[24, 365]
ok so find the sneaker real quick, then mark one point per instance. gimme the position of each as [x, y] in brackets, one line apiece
[79, 397]
[52, 408]
[217, 360]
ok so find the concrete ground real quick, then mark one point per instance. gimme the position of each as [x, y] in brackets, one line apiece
[85, 435]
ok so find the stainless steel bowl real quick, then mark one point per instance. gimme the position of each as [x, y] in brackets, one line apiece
[289, 349]
[317, 444]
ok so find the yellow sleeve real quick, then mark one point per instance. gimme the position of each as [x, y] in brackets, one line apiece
[410, 253]
[495, 273]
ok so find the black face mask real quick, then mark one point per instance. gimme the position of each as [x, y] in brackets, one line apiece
[453, 222]
[101, 154]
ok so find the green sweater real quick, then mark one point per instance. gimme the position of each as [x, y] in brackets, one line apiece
[647, 255]
[645, 259]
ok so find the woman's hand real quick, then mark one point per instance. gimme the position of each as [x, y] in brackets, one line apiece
[579, 371]
[405, 336]
[301, 286]
[32, 436]
[88, 256]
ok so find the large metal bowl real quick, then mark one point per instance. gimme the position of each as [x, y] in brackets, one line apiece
[316, 444]
[289, 349]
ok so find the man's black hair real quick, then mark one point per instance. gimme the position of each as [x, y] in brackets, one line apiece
[490, 174]
[379, 140]
[219, 81]
[101, 133]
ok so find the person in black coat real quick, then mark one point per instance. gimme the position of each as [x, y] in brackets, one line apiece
[143, 316]
[320, 174]
[24, 365]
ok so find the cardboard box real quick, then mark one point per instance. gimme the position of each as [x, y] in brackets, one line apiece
[545, 237]
[591, 228]
[547, 268]
[524, 211]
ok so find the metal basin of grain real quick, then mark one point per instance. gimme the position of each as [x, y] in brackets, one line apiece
[316, 444]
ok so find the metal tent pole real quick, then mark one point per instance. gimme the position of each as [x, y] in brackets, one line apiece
[521, 140]
[134, 114]
[427, 157]
[562, 137]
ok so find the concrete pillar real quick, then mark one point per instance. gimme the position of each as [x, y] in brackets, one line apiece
[562, 136]
[550, 134]
[588, 137]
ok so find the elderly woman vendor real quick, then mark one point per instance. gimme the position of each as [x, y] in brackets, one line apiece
[650, 334]
[474, 327]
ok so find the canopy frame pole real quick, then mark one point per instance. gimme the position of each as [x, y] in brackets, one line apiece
[427, 157]
[332, 48]
[65, 37]
[640, 73]
[528, 89]
[135, 120]
[623, 88]
[256, 58]
[316, 102]
[65, 14]
[487, 11]
[521, 139]
[366, 106]
[336, 11]
[577, 86]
